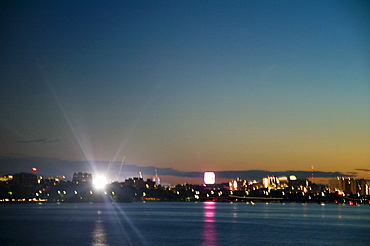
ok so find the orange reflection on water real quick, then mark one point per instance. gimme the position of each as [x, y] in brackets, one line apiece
[209, 230]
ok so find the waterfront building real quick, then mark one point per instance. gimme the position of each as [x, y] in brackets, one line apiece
[272, 182]
[82, 178]
[363, 187]
[341, 184]
[238, 184]
[139, 183]
[26, 179]
[49, 182]
[299, 184]
[349, 186]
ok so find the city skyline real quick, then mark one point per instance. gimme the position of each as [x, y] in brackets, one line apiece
[186, 86]
[118, 171]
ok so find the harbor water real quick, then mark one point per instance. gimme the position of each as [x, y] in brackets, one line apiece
[183, 223]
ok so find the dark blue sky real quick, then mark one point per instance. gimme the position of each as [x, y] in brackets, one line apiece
[189, 85]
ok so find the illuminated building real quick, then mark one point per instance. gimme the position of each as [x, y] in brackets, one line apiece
[349, 185]
[60, 178]
[156, 179]
[269, 181]
[363, 187]
[273, 182]
[255, 185]
[6, 178]
[238, 184]
[82, 178]
[283, 181]
[291, 183]
[341, 184]
[295, 183]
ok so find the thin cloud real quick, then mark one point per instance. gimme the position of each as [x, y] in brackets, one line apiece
[363, 169]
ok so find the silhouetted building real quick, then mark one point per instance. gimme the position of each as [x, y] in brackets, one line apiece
[139, 183]
[27, 179]
[49, 182]
[82, 178]
[299, 184]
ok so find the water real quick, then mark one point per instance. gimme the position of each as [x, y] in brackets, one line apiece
[183, 223]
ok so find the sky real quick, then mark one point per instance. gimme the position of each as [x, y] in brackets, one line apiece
[185, 87]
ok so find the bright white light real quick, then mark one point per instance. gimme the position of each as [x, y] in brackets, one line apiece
[99, 182]
[292, 177]
[209, 177]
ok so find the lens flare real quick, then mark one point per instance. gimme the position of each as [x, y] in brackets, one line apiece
[100, 182]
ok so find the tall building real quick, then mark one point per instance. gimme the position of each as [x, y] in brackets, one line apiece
[238, 184]
[363, 187]
[273, 182]
[25, 179]
[341, 184]
[156, 179]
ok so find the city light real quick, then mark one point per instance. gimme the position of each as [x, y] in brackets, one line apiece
[292, 177]
[84, 187]
[209, 178]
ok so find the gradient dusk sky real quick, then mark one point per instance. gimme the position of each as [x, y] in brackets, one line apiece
[189, 85]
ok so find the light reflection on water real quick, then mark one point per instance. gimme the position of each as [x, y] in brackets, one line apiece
[99, 234]
[209, 230]
[207, 224]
